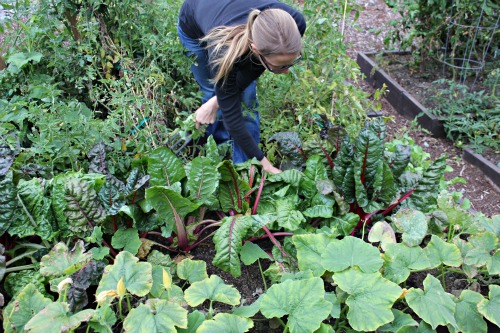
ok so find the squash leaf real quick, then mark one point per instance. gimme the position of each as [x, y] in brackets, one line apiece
[156, 316]
[137, 276]
[226, 323]
[19, 311]
[440, 252]
[490, 308]
[469, 320]
[349, 252]
[192, 270]
[62, 262]
[370, 298]
[309, 250]
[213, 289]
[56, 318]
[301, 300]
[443, 310]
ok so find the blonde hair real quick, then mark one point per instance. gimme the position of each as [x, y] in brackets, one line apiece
[272, 31]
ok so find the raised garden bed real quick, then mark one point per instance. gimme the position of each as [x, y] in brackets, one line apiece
[405, 104]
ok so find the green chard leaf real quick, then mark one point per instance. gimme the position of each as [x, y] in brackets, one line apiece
[424, 196]
[171, 206]
[111, 195]
[228, 243]
[33, 215]
[8, 202]
[203, 179]
[369, 165]
[343, 172]
[164, 167]
[83, 208]
[231, 188]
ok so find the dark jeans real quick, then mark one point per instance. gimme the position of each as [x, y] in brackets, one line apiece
[201, 71]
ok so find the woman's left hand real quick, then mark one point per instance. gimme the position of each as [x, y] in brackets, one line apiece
[207, 112]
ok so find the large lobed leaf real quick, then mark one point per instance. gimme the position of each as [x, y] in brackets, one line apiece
[213, 289]
[350, 252]
[303, 301]
[62, 262]
[309, 250]
[370, 298]
[19, 311]
[442, 311]
[137, 276]
[400, 260]
[156, 316]
[56, 318]
[226, 323]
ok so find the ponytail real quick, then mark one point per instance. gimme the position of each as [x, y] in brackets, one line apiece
[273, 31]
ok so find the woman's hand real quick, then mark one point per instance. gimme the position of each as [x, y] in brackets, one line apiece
[207, 112]
[268, 167]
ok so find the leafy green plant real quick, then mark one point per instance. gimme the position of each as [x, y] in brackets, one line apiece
[426, 27]
[469, 118]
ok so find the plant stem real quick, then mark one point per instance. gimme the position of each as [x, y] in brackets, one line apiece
[19, 257]
[128, 302]
[262, 275]
[120, 308]
[443, 281]
[19, 268]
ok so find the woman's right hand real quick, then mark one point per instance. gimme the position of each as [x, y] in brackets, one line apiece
[268, 167]
[207, 112]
